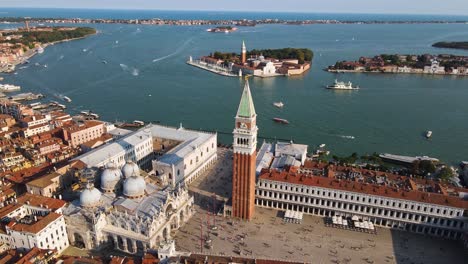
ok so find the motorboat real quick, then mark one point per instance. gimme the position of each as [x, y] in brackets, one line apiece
[280, 120]
[429, 134]
[66, 99]
[278, 104]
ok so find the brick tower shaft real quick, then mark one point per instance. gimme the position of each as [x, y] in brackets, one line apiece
[245, 154]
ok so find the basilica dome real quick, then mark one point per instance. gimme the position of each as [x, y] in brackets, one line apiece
[134, 187]
[129, 169]
[110, 177]
[90, 197]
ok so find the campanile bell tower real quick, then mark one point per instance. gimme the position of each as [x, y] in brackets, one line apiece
[245, 155]
[243, 53]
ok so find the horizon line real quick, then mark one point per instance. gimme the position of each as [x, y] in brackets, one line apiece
[232, 11]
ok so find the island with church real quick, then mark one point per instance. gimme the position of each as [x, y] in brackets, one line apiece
[260, 63]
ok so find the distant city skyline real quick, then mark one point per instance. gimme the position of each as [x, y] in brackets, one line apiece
[456, 7]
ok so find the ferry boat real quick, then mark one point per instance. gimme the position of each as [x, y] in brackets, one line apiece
[94, 115]
[342, 86]
[280, 120]
[9, 88]
[429, 134]
[278, 104]
[40, 50]
[66, 99]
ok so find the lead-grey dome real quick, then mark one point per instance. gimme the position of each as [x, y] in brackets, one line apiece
[110, 177]
[134, 187]
[130, 168]
[90, 197]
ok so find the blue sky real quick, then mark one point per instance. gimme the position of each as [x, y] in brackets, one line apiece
[459, 7]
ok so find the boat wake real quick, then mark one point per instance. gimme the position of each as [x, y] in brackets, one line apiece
[178, 50]
[132, 70]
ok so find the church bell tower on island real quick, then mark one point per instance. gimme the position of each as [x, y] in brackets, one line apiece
[245, 155]
[243, 53]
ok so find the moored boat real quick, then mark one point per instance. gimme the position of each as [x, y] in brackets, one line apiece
[138, 123]
[9, 88]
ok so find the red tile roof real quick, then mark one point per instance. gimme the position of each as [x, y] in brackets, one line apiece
[37, 200]
[22, 175]
[36, 227]
[81, 260]
[34, 255]
[358, 187]
[33, 200]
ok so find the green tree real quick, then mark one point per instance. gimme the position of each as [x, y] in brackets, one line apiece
[427, 166]
[445, 173]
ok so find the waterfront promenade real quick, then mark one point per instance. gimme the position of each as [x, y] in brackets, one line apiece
[212, 68]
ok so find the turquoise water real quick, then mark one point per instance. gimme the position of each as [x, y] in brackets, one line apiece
[389, 114]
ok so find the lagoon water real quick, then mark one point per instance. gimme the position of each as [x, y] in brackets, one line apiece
[146, 78]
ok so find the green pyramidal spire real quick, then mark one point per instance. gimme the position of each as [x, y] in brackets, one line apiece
[246, 106]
